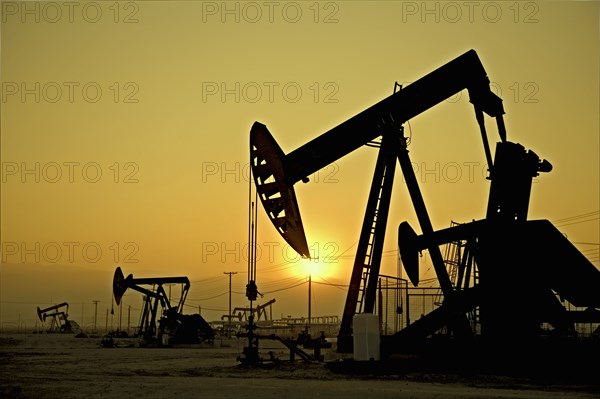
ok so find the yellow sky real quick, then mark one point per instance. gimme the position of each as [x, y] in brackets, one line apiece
[125, 130]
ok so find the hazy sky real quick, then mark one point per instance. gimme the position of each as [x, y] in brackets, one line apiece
[125, 136]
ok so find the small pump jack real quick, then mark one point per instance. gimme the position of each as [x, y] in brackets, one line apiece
[59, 318]
[173, 324]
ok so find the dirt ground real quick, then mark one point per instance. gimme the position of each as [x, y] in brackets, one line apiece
[63, 366]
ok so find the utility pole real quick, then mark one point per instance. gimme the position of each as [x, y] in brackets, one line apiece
[120, 314]
[309, 295]
[229, 318]
[95, 301]
[128, 318]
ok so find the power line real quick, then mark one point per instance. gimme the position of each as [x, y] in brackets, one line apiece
[207, 308]
[578, 222]
[576, 219]
[206, 299]
[582, 215]
[286, 288]
[230, 275]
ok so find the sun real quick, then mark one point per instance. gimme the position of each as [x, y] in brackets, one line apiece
[311, 267]
[318, 267]
[324, 262]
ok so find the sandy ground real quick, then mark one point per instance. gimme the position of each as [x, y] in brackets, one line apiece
[62, 366]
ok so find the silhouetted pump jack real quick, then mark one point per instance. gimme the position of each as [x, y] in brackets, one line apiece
[510, 251]
[59, 318]
[178, 327]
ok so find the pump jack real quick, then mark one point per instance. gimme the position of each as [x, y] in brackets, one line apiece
[179, 327]
[504, 241]
[59, 318]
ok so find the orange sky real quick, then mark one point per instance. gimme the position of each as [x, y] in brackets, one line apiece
[125, 133]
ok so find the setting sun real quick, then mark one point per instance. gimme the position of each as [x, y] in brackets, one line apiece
[324, 262]
[312, 267]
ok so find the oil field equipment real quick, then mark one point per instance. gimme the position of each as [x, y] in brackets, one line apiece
[250, 354]
[59, 318]
[172, 327]
[260, 311]
[504, 243]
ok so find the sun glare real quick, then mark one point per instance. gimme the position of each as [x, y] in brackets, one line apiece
[324, 261]
[312, 267]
